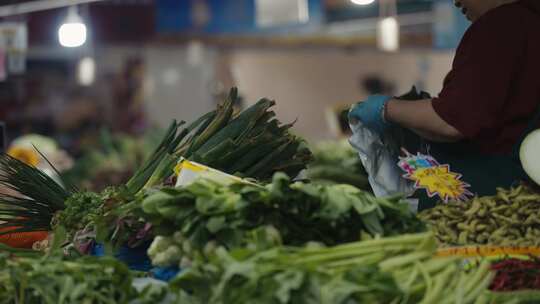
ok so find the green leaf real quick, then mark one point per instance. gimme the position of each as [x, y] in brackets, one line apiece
[372, 223]
[338, 290]
[288, 282]
[309, 189]
[215, 224]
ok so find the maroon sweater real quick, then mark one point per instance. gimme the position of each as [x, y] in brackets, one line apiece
[493, 89]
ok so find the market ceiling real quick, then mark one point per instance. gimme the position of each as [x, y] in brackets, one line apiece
[112, 21]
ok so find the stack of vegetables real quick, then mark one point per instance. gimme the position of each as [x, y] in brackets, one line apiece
[508, 221]
[251, 144]
[510, 218]
[336, 162]
[194, 219]
[388, 270]
[282, 242]
[53, 280]
[41, 204]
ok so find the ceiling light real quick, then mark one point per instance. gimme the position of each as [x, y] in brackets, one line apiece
[362, 2]
[73, 32]
[388, 34]
[86, 71]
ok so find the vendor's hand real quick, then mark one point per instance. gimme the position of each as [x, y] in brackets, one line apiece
[370, 112]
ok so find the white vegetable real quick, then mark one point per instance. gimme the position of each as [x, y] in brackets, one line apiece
[159, 244]
[160, 260]
[169, 257]
[529, 155]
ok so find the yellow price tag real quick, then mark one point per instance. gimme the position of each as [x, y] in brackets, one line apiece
[488, 251]
[188, 171]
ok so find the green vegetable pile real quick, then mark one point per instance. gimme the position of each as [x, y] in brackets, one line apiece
[81, 209]
[52, 281]
[510, 218]
[42, 199]
[336, 162]
[250, 144]
[388, 270]
[206, 212]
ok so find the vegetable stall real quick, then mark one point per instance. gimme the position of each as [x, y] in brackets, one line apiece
[265, 220]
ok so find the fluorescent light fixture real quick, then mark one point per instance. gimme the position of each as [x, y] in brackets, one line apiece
[362, 2]
[86, 71]
[388, 34]
[272, 13]
[73, 32]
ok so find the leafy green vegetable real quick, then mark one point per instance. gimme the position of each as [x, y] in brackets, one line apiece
[336, 162]
[39, 198]
[215, 137]
[281, 212]
[388, 270]
[81, 209]
[52, 281]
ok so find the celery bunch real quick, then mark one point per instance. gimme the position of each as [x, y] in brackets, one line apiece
[398, 269]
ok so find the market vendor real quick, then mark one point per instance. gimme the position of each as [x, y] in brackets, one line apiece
[489, 102]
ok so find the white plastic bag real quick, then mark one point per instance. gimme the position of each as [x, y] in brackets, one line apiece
[380, 162]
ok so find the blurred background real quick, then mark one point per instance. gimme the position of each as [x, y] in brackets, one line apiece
[70, 69]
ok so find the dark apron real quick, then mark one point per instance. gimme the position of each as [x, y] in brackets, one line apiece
[485, 173]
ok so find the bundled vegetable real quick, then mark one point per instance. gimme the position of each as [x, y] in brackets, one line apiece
[51, 280]
[251, 144]
[510, 218]
[388, 270]
[26, 280]
[206, 213]
[337, 162]
[36, 200]
[42, 204]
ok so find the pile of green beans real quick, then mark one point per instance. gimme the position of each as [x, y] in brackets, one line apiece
[509, 218]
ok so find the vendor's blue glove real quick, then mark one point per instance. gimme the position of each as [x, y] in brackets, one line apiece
[165, 273]
[370, 113]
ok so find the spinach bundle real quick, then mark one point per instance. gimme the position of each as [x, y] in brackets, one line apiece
[190, 218]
